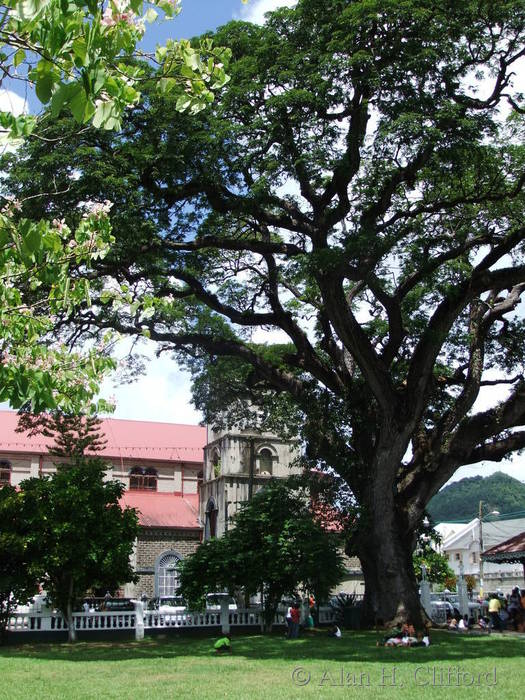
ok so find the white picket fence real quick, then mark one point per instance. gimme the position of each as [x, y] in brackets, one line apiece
[147, 620]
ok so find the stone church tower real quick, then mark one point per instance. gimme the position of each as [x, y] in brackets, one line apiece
[237, 463]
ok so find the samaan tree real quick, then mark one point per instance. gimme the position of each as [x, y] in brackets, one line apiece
[338, 240]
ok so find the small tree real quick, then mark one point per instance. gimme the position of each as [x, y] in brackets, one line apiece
[471, 582]
[277, 544]
[436, 564]
[17, 584]
[79, 536]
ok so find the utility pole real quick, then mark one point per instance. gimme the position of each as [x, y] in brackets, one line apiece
[480, 518]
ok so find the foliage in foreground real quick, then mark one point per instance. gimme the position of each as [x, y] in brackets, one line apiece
[79, 58]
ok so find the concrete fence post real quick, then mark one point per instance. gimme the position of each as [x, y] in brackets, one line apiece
[139, 619]
[225, 615]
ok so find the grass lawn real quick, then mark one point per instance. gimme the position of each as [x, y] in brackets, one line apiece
[266, 667]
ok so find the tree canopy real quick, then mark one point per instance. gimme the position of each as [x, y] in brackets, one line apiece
[17, 582]
[77, 535]
[338, 241]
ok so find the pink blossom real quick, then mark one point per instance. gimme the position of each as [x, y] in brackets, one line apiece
[59, 224]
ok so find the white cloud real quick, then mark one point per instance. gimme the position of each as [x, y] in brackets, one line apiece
[161, 394]
[11, 102]
[256, 9]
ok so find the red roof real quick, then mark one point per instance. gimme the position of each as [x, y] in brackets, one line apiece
[126, 439]
[164, 509]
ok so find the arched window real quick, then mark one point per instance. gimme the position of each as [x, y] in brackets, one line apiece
[5, 472]
[141, 479]
[210, 526]
[265, 459]
[216, 464]
[167, 574]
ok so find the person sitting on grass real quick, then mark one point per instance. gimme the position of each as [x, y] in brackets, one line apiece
[453, 624]
[223, 645]
[408, 630]
[483, 623]
[464, 625]
[422, 640]
[334, 631]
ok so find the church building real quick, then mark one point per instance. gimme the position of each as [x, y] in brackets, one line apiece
[185, 481]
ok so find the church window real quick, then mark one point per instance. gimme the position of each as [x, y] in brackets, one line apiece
[143, 479]
[216, 464]
[167, 574]
[265, 461]
[210, 526]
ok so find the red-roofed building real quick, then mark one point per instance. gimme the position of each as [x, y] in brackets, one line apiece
[160, 465]
[186, 483]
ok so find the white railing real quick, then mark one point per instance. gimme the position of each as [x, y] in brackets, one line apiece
[156, 620]
[100, 621]
[326, 615]
[30, 622]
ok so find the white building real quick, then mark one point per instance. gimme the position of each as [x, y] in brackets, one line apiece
[461, 544]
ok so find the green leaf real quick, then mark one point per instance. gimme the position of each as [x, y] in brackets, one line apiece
[32, 238]
[44, 87]
[78, 103]
[183, 103]
[80, 50]
[19, 57]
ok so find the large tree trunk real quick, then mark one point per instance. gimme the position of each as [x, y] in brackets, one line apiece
[385, 545]
[391, 591]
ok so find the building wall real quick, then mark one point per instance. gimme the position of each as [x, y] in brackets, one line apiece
[151, 544]
[170, 474]
[22, 466]
[462, 548]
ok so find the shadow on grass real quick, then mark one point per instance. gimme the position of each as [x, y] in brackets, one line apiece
[353, 647]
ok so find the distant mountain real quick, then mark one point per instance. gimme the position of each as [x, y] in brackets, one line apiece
[461, 499]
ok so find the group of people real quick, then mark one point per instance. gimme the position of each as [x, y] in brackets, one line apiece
[406, 636]
[293, 618]
[463, 625]
[503, 613]
[509, 611]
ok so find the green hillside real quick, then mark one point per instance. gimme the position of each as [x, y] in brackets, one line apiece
[461, 499]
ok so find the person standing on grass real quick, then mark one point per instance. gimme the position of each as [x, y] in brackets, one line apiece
[296, 618]
[289, 621]
[494, 609]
